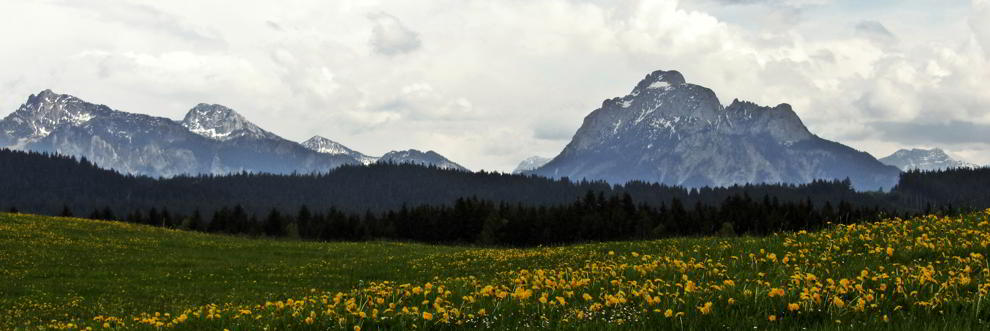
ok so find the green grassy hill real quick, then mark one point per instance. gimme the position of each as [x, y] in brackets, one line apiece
[925, 273]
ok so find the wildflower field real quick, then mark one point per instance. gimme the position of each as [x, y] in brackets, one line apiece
[922, 273]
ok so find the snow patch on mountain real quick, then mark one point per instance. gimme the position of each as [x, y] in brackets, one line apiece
[924, 159]
[659, 85]
[327, 146]
[45, 112]
[413, 156]
[221, 123]
[530, 163]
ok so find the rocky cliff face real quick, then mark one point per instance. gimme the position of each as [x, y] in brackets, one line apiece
[669, 131]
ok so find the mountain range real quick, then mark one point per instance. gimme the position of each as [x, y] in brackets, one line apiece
[665, 130]
[669, 131]
[211, 139]
[924, 159]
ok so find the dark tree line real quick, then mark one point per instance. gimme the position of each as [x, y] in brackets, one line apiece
[43, 183]
[595, 217]
[407, 202]
[962, 187]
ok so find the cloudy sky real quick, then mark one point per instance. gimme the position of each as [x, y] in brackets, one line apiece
[489, 83]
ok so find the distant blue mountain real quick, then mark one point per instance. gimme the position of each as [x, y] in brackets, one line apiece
[211, 140]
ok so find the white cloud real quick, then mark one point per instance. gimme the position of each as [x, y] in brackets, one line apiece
[979, 21]
[489, 83]
[876, 32]
[390, 37]
[130, 15]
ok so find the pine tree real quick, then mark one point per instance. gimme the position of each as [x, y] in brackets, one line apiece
[195, 222]
[66, 212]
[273, 224]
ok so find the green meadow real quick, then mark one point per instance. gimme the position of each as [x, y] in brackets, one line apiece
[68, 273]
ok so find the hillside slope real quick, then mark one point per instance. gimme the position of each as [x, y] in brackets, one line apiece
[897, 274]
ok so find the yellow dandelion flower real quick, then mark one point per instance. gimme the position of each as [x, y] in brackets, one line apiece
[706, 308]
[689, 287]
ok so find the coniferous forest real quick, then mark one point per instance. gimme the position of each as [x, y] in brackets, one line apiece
[407, 202]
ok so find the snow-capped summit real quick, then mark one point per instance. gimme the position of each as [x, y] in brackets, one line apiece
[924, 159]
[669, 131]
[429, 158]
[530, 163]
[327, 146]
[43, 113]
[221, 123]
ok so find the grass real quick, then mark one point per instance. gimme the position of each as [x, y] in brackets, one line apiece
[64, 273]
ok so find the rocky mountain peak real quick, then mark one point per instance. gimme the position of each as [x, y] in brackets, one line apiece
[530, 163]
[55, 106]
[670, 131]
[414, 156]
[660, 79]
[326, 146]
[46, 111]
[43, 96]
[221, 123]
[780, 122]
[923, 159]
[661, 106]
